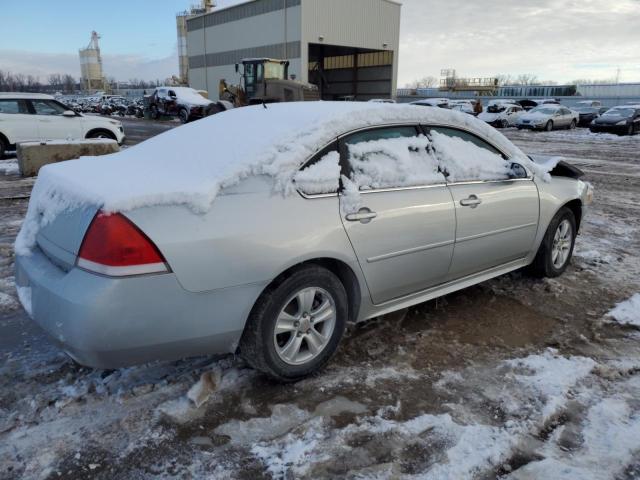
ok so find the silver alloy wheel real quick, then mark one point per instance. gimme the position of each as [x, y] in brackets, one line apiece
[304, 326]
[562, 241]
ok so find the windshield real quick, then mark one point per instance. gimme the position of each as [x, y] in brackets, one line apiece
[544, 110]
[620, 112]
[274, 70]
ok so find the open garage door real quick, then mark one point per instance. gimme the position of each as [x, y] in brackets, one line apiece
[343, 73]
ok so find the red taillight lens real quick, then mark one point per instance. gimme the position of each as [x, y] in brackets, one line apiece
[114, 246]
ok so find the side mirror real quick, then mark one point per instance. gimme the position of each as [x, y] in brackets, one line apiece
[68, 113]
[518, 171]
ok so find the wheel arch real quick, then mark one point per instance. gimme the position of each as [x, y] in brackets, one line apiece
[6, 141]
[340, 269]
[575, 206]
[101, 130]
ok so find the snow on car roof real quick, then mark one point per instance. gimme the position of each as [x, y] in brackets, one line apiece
[189, 165]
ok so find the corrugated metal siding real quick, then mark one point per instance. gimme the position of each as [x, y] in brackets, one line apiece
[239, 12]
[232, 57]
[353, 23]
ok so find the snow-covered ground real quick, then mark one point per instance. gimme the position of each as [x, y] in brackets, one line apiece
[515, 378]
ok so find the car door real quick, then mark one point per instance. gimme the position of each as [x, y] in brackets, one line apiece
[52, 124]
[496, 213]
[396, 210]
[16, 123]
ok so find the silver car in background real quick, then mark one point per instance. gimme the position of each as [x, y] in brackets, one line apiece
[548, 117]
[388, 212]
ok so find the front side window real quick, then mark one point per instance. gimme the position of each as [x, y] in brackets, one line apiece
[13, 106]
[391, 157]
[48, 107]
[463, 156]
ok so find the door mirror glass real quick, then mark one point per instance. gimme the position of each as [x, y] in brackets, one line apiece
[69, 113]
[518, 171]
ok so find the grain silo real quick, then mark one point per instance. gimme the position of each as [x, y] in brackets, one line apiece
[91, 77]
[181, 24]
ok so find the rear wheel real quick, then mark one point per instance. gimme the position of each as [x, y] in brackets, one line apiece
[549, 126]
[295, 327]
[556, 249]
[184, 115]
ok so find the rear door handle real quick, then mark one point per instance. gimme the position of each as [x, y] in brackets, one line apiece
[472, 201]
[364, 215]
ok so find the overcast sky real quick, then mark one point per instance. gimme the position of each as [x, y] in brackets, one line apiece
[558, 40]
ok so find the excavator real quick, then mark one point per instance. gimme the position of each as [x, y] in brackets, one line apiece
[266, 80]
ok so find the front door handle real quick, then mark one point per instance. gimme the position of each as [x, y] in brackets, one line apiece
[472, 201]
[364, 215]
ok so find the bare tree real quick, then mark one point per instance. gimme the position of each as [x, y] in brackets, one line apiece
[504, 79]
[526, 79]
[69, 83]
[424, 82]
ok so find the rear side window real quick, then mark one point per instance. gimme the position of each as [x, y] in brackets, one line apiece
[13, 106]
[463, 156]
[48, 107]
[390, 157]
[321, 174]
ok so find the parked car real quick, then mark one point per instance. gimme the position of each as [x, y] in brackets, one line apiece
[466, 106]
[432, 102]
[182, 102]
[529, 104]
[502, 115]
[548, 117]
[588, 114]
[624, 120]
[268, 244]
[589, 103]
[35, 117]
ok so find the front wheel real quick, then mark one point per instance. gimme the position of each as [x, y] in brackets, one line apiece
[296, 326]
[630, 130]
[3, 148]
[184, 115]
[504, 124]
[573, 125]
[556, 249]
[549, 126]
[102, 134]
[155, 114]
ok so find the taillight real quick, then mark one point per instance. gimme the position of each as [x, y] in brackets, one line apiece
[114, 246]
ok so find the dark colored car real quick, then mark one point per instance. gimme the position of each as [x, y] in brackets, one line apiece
[589, 114]
[183, 102]
[623, 120]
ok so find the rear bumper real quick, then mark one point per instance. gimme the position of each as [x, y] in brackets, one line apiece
[108, 322]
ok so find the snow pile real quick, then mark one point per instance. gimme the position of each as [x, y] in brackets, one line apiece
[321, 177]
[463, 160]
[627, 312]
[191, 96]
[394, 162]
[9, 167]
[191, 164]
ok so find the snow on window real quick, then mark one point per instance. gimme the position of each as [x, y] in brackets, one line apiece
[464, 161]
[320, 177]
[393, 162]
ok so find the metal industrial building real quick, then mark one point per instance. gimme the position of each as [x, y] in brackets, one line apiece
[348, 48]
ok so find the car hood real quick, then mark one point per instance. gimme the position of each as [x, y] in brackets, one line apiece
[610, 119]
[489, 117]
[97, 120]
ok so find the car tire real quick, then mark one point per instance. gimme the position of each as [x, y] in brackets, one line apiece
[184, 115]
[155, 115]
[504, 124]
[3, 147]
[101, 134]
[630, 130]
[573, 125]
[556, 249]
[549, 126]
[289, 306]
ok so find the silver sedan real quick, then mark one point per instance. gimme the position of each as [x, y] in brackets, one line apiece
[386, 207]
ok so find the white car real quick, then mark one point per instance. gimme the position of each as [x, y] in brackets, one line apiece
[466, 106]
[549, 117]
[432, 102]
[502, 115]
[28, 117]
